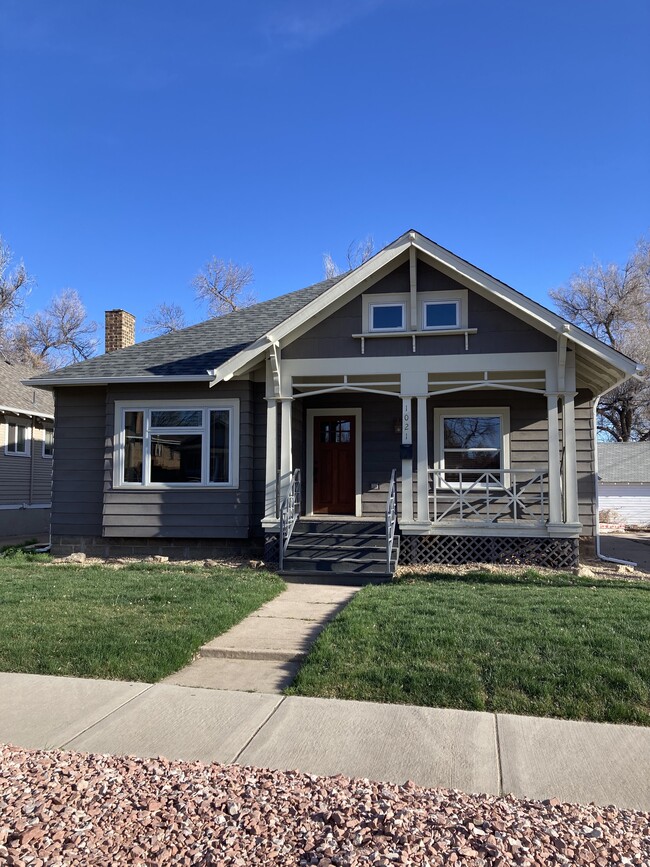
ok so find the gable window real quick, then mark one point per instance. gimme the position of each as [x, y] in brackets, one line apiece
[441, 314]
[18, 441]
[48, 442]
[387, 317]
[471, 443]
[165, 445]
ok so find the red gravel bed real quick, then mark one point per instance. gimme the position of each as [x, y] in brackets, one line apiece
[63, 808]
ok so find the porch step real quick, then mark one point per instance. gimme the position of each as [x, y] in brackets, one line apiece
[354, 550]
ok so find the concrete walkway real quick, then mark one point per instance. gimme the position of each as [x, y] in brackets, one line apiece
[264, 651]
[474, 752]
[628, 546]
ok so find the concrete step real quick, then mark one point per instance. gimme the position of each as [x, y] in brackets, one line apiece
[339, 527]
[345, 565]
[339, 540]
[325, 551]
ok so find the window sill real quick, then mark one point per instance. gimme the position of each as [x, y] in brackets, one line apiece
[431, 332]
[187, 486]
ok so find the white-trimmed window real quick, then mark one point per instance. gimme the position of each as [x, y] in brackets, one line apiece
[437, 315]
[387, 317]
[48, 442]
[17, 440]
[471, 442]
[166, 444]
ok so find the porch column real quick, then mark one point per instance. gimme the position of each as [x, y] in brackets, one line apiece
[407, 462]
[285, 443]
[270, 496]
[423, 462]
[554, 480]
[571, 512]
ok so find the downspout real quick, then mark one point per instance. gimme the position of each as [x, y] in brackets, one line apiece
[598, 553]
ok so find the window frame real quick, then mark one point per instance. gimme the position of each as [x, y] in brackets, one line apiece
[374, 305]
[446, 296]
[438, 303]
[10, 422]
[44, 454]
[149, 406]
[441, 413]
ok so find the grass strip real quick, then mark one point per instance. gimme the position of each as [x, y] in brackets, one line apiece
[545, 645]
[135, 623]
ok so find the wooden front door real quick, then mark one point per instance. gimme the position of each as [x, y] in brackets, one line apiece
[334, 465]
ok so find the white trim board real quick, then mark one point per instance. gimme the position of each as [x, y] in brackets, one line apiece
[309, 469]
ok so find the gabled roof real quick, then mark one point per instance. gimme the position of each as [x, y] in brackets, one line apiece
[22, 399]
[624, 462]
[190, 353]
[219, 349]
[598, 366]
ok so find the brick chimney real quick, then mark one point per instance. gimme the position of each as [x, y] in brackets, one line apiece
[120, 330]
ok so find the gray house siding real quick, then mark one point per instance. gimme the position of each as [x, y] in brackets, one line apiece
[586, 462]
[497, 330]
[77, 484]
[206, 513]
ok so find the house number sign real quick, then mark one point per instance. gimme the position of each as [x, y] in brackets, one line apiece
[407, 427]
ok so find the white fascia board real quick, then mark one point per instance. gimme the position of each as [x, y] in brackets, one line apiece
[464, 271]
[109, 380]
[303, 316]
[30, 413]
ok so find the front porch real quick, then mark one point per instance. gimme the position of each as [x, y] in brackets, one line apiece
[486, 461]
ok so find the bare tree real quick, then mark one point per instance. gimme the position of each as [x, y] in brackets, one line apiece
[56, 336]
[612, 302]
[14, 286]
[164, 319]
[358, 253]
[224, 286]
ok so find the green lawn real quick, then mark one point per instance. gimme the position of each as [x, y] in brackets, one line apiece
[553, 645]
[139, 623]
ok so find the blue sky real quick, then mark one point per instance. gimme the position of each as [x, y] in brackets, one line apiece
[141, 138]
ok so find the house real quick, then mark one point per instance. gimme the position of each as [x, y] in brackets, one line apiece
[624, 481]
[480, 399]
[26, 446]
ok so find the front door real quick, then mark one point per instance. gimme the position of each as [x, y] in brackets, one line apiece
[334, 465]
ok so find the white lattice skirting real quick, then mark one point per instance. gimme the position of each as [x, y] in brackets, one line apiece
[456, 550]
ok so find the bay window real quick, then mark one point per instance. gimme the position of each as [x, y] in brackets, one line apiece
[161, 444]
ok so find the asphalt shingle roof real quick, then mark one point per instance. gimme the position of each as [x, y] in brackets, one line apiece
[624, 462]
[23, 398]
[194, 350]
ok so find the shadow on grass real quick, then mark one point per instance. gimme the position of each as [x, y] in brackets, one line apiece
[525, 578]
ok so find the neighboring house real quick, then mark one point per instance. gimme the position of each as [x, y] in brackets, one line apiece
[480, 399]
[624, 481]
[26, 445]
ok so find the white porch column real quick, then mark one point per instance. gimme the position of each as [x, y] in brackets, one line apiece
[571, 513]
[285, 443]
[554, 480]
[423, 462]
[270, 499]
[407, 463]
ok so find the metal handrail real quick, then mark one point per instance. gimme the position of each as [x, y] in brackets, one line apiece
[391, 518]
[289, 514]
[489, 495]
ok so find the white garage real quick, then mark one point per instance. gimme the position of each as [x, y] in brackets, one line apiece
[624, 482]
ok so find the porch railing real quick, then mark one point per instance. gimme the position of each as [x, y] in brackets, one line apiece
[511, 496]
[391, 518]
[289, 513]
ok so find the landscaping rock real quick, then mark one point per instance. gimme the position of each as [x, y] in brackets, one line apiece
[585, 572]
[161, 812]
[76, 557]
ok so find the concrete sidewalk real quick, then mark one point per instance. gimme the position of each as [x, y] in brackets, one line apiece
[263, 652]
[474, 752]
